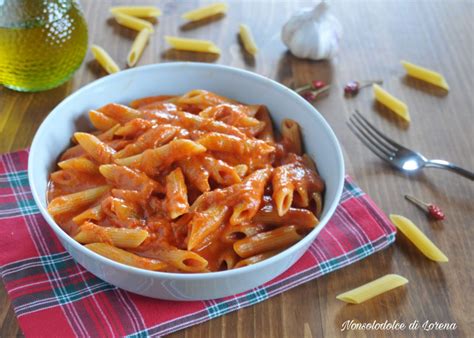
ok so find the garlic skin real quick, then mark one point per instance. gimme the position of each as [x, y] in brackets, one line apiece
[312, 33]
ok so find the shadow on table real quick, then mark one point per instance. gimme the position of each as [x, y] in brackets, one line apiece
[390, 116]
[423, 86]
[203, 22]
[179, 55]
[310, 70]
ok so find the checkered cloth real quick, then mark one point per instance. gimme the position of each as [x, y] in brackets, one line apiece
[54, 296]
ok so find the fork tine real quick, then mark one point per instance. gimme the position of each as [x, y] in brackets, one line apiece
[372, 140]
[366, 143]
[371, 126]
[375, 135]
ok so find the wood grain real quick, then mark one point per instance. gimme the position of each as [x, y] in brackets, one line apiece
[437, 34]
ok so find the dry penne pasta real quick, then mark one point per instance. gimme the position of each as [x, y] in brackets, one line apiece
[205, 12]
[132, 22]
[125, 257]
[193, 45]
[397, 106]
[138, 46]
[425, 74]
[372, 289]
[188, 183]
[138, 11]
[104, 59]
[418, 238]
[247, 39]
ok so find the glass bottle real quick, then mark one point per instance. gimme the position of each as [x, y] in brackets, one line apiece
[42, 43]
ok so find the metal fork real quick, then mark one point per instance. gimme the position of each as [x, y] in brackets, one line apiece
[397, 155]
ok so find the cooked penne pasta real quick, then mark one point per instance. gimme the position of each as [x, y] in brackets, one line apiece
[76, 201]
[77, 150]
[204, 224]
[97, 149]
[220, 171]
[138, 46]
[138, 11]
[372, 289]
[119, 112]
[247, 39]
[252, 192]
[127, 258]
[205, 12]
[267, 132]
[184, 260]
[255, 259]
[104, 59]
[176, 194]
[101, 121]
[293, 216]
[418, 238]
[132, 22]
[119, 237]
[91, 214]
[196, 173]
[291, 136]
[187, 183]
[233, 233]
[152, 159]
[126, 178]
[227, 260]
[80, 164]
[192, 45]
[279, 238]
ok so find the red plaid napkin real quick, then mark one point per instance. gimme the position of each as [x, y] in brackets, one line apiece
[54, 296]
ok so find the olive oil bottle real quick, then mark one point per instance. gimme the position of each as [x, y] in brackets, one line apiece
[42, 43]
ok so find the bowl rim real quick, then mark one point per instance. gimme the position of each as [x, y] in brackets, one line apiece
[174, 275]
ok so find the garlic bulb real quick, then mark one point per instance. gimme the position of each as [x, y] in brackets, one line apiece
[312, 33]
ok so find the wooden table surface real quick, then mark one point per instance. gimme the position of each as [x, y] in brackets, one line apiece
[377, 34]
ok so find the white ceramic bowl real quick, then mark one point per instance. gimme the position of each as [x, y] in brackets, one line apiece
[69, 116]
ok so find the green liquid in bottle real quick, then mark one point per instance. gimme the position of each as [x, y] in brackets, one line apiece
[42, 43]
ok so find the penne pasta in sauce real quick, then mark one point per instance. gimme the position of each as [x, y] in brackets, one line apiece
[188, 183]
